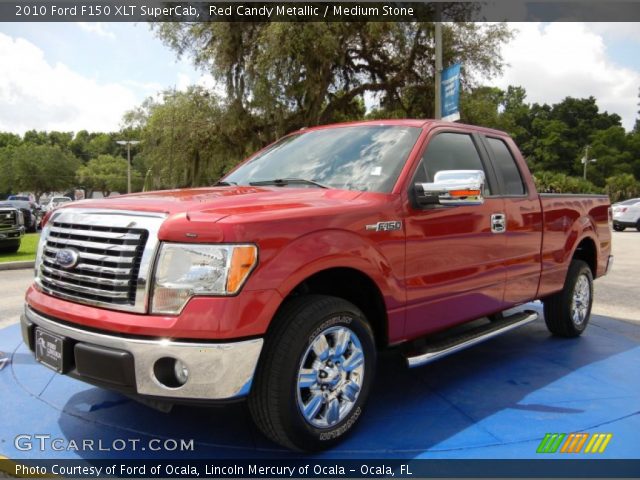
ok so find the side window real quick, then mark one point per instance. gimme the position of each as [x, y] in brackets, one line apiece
[449, 151]
[506, 167]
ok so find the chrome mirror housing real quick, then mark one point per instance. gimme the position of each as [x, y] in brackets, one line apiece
[452, 187]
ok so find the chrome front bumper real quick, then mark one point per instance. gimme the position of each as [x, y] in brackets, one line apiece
[217, 371]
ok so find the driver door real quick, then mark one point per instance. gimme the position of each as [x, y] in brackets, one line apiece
[454, 257]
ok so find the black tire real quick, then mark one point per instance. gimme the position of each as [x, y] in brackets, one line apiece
[638, 225]
[618, 228]
[276, 401]
[10, 247]
[562, 316]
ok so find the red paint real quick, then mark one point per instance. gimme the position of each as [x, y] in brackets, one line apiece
[444, 267]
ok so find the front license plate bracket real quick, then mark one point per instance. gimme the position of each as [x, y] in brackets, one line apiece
[50, 349]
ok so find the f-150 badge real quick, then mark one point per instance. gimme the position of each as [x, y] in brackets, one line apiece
[385, 226]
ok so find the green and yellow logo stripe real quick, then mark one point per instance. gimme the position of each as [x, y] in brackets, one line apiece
[574, 442]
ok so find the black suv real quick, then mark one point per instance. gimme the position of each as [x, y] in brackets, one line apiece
[29, 210]
[11, 227]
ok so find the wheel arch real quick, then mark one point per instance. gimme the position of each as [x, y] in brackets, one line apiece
[352, 285]
[586, 251]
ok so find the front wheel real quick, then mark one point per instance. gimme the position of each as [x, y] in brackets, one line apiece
[618, 227]
[567, 312]
[314, 374]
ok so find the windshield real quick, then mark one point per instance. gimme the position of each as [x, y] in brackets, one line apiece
[20, 203]
[366, 158]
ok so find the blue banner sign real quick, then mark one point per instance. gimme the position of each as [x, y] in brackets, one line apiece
[450, 93]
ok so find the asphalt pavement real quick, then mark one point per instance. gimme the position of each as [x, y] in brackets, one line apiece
[617, 295]
[13, 285]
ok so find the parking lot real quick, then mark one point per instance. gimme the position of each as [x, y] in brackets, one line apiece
[618, 294]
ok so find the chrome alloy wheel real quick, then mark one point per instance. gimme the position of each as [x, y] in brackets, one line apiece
[581, 300]
[330, 376]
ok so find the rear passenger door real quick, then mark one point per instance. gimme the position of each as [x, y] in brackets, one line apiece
[454, 260]
[523, 212]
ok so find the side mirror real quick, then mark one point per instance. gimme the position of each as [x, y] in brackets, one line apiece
[452, 187]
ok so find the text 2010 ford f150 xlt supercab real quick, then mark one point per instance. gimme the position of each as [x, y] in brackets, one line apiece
[281, 282]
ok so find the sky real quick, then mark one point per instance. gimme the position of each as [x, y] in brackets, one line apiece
[75, 76]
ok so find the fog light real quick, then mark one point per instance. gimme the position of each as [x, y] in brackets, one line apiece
[170, 372]
[181, 372]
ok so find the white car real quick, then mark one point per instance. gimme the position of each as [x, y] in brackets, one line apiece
[55, 202]
[626, 214]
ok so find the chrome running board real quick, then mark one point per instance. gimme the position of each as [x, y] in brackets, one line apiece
[433, 351]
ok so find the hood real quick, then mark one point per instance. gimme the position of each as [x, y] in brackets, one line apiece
[224, 201]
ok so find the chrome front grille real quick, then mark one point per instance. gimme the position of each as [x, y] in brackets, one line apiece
[113, 251]
[7, 219]
[109, 260]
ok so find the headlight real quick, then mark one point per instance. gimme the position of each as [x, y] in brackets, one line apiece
[185, 269]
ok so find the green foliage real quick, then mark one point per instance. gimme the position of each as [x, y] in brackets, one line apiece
[37, 168]
[553, 182]
[9, 140]
[280, 77]
[107, 174]
[621, 187]
[190, 139]
[59, 139]
[555, 138]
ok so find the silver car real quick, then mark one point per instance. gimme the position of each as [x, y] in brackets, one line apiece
[626, 214]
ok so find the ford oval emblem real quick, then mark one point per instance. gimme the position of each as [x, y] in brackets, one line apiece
[67, 258]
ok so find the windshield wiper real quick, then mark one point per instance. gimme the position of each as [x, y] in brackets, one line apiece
[225, 184]
[281, 182]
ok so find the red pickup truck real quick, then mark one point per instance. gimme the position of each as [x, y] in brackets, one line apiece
[281, 282]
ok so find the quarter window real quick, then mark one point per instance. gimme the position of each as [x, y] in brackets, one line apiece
[506, 167]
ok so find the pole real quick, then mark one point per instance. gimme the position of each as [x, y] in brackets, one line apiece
[438, 45]
[128, 143]
[128, 167]
[585, 160]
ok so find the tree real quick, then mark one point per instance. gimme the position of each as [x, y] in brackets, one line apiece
[102, 144]
[190, 138]
[280, 77]
[106, 174]
[481, 106]
[621, 187]
[40, 168]
[9, 140]
[613, 157]
[553, 182]
[558, 134]
[79, 144]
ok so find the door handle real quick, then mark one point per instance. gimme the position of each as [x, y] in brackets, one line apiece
[498, 223]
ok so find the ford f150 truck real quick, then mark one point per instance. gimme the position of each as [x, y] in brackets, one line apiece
[281, 282]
